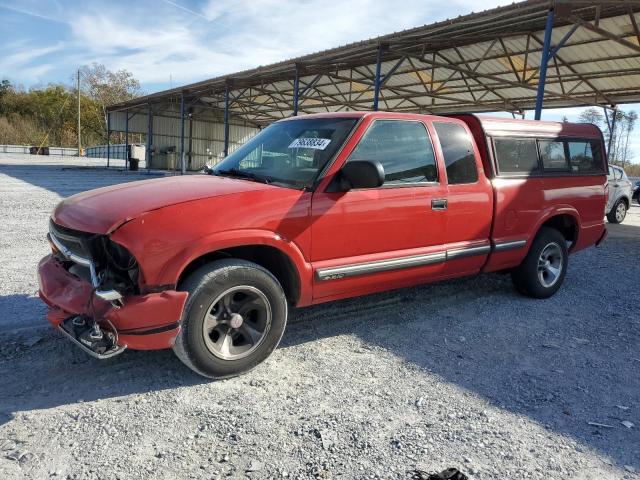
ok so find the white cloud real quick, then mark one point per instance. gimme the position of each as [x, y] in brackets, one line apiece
[226, 36]
[28, 60]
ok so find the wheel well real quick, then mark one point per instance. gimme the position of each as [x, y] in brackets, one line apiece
[274, 260]
[626, 201]
[566, 225]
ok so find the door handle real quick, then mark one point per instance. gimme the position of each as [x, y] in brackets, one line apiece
[439, 204]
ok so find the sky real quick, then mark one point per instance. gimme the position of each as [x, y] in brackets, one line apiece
[168, 43]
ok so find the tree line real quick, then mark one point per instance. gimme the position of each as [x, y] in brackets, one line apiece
[616, 135]
[48, 115]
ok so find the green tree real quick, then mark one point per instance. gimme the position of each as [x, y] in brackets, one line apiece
[105, 87]
[592, 115]
[49, 115]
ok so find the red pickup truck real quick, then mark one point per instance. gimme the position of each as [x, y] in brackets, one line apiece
[313, 209]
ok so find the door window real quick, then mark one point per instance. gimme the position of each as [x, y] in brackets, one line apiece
[402, 147]
[457, 150]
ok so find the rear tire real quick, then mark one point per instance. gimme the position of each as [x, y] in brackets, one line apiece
[618, 212]
[233, 320]
[542, 272]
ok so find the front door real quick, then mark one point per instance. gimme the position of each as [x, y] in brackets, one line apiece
[365, 240]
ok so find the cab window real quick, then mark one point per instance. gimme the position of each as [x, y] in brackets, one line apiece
[402, 147]
[457, 149]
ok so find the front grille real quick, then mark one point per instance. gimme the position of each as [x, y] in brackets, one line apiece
[73, 240]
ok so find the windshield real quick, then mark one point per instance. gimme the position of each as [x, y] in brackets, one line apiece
[290, 153]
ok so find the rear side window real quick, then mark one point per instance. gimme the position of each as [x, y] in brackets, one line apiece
[402, 147]
[553, 155]
[519, 156]
[516, 155]
[457, 150]
[585, 157]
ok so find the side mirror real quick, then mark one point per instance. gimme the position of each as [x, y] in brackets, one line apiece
[361, 174]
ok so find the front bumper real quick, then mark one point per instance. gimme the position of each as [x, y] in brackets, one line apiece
[143, 322]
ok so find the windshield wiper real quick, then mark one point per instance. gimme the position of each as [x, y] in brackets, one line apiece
[234, 172]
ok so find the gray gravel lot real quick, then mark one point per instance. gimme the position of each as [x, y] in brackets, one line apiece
[464, 373]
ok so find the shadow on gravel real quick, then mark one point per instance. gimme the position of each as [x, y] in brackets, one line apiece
[72, 179]
[21, 311]
[562, 370]
[43, 382]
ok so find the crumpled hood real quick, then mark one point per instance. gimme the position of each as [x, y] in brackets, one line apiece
[104, 209]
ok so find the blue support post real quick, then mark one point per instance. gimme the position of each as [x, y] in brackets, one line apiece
[126, 140]
[149, 138]
[376, 93]
[226, 120]
[296, 87]
[543, 64]
[108, 138]
[562, 41]
[182, 166]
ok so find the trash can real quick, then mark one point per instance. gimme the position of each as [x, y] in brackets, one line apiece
[133, 164]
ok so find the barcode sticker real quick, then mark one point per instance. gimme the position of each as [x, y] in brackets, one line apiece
[315, 143]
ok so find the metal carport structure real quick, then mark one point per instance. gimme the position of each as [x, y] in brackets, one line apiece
[523, 56]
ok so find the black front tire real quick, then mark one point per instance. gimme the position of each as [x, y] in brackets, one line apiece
[527, 278]
[204, 286]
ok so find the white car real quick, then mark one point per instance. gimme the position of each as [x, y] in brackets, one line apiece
[620, 188]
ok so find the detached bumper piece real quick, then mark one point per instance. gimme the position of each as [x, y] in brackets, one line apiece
[143, 322]
[97, 342]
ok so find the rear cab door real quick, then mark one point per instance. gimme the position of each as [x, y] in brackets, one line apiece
[469, 198]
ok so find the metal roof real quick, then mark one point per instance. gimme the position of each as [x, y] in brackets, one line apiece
[486, 61]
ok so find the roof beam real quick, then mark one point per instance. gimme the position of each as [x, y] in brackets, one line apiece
[604, 33]
[575, 72]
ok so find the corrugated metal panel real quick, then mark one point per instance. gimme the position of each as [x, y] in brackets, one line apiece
[207, 137]
[478, 62]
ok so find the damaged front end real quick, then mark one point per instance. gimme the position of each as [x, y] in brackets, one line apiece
[92, 287]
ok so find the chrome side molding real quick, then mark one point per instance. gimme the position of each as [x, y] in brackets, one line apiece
[468, 252]
[335, 273]
[504, 246]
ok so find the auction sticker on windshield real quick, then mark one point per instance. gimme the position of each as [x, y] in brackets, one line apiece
[315, 143]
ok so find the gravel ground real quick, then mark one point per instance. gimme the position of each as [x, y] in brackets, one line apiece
[463, 373]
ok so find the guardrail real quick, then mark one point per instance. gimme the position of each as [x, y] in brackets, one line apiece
[61, 151]
[100, 151]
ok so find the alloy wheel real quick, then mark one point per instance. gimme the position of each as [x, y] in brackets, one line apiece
[236, 322]
[550, 264]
